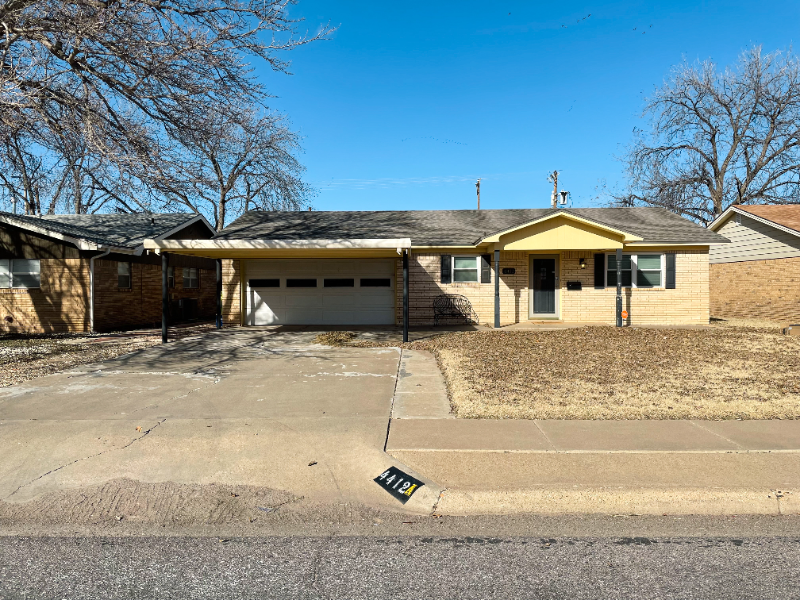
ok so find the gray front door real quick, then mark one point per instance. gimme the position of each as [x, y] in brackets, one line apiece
[544, 286]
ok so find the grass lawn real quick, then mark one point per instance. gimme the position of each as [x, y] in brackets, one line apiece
[609, 373]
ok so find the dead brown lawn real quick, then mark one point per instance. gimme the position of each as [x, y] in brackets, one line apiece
[609, 373]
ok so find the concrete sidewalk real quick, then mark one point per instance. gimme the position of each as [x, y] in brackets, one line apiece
[626, 467]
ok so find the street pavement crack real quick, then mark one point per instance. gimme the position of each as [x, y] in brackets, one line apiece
[77, 460]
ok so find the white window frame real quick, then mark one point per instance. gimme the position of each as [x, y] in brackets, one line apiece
[196, 278]
[7, 267]
[129, 275]
[635, 270]
[477, 260]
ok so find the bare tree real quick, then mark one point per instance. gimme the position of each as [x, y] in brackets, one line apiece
[718, 138]
[230, 163]
[122, 73]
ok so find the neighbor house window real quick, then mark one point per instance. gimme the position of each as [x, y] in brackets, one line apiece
[170, 277]
[19, 273]
[124, 275]
[190, 278]
[466, 268]
[638, 270]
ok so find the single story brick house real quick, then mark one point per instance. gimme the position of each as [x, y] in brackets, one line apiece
[757, 275]
[81, 273]
[341, 268]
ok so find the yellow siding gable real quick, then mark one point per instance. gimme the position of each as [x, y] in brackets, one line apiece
[560, 234]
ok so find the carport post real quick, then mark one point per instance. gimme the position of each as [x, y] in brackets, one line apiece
[219, 293]
[164, 296]
[619, 288]
[405, 295]
[497, 289]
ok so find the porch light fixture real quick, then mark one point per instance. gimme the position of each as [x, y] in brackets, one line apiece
[582, 263]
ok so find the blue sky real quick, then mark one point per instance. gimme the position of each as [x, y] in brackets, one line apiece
[406, 105]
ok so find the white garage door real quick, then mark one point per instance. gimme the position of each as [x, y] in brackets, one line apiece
[320, 292]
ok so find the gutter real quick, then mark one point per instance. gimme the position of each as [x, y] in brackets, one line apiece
[91, 286]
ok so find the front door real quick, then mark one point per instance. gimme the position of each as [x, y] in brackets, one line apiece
[544, 286]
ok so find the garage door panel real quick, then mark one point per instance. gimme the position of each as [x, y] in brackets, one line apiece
[297, 301]
[381, 301]
[321, 305]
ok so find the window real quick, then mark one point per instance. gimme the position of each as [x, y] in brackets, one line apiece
[20, 273]
[647, 267]
[339, 283]
[301, 283]
[466, 268]
[170, 277]
[648, 270]
[263, 283]
[124, 275]
[190, 279]
[376, 282]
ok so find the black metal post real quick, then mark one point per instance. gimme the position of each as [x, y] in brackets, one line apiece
[164, 296]
[219, 293]
[497, 289]
[405, 295]
[619, 288]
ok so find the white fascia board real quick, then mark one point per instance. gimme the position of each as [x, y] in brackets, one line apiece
[335, 244]
[733, 209]
[717, 223]
[674, 243]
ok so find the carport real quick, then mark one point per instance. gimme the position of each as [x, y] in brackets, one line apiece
[308, 282]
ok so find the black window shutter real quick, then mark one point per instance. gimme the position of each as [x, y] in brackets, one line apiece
[670, 284]
[486, 268]
[446, 264]
[600, 271]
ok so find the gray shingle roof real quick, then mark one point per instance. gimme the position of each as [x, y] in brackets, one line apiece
[118, 230]
[454, 227]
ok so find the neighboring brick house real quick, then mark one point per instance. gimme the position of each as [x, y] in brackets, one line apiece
[757, 275]
[346, 268]
[81, 273]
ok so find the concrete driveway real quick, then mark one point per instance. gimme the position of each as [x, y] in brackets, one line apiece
[238, 406]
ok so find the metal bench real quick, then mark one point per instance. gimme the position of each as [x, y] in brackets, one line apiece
[453, 306]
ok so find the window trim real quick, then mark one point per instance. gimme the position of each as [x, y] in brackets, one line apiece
[171, 278]
[11, 273]
[196, 278]
[635, 270]
[476, 258]
[129, 275]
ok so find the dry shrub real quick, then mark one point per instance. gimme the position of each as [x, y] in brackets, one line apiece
[335, 338]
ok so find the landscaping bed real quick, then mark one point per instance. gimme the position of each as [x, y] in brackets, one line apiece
[610, 373]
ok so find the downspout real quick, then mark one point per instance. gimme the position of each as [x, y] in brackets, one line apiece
[91, 287]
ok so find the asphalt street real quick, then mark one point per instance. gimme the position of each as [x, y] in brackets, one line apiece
[366, 567]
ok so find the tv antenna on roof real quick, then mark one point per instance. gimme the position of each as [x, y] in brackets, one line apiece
[557, 198]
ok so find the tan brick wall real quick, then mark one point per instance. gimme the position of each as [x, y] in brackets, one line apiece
[687, 304]
[231, 292]
[60, 305]
[140, 306]
[757, 289]
[424, 277]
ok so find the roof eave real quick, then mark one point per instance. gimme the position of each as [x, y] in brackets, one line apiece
[495, 237]
[731, 210]
[78, 242]
[217, 244]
